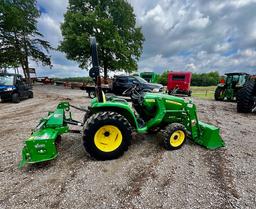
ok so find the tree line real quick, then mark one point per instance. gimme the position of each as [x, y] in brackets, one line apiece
[198, 79]
[205, 79]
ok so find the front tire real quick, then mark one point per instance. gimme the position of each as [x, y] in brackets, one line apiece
[107, 135]
[174, 136]
[218, 95]
[15, 98]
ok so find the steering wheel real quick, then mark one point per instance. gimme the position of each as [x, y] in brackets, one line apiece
[130, 90]
[136, 94]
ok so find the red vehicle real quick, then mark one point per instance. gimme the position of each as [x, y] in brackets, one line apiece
[179, 83]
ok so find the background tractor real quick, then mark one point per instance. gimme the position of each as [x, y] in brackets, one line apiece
[150, 77]
[246, 96]
[229, 86]
[110, 120]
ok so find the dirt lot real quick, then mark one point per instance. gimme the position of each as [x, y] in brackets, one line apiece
[147, 176]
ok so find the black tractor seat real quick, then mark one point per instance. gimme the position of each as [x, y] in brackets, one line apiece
[114, 98]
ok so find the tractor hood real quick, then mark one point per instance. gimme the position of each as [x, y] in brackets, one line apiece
[6, 88]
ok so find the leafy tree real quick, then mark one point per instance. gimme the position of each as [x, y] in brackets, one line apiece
[205, 79]
[113, 23]
[19, 37]
[198, 79]
[162, 79]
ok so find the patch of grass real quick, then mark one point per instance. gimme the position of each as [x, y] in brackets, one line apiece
[203, 92]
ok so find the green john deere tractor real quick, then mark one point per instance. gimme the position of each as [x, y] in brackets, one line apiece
[109, 122]
[229, 86]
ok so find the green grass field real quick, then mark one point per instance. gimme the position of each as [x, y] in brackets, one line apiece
[203, 92]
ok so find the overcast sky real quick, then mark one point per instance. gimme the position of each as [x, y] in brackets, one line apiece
[194, 35]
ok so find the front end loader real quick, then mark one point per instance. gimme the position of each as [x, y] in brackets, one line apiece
[109, 122]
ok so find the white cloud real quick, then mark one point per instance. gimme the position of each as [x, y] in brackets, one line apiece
[49, 25]
[50, 28]
[222, 47]
[241, 3]
[191, 67]
[200, 21]
[200, 35]
[248, 53]
[194, 35]
[55, 8]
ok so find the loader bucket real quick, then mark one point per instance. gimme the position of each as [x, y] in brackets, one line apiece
[209, 136]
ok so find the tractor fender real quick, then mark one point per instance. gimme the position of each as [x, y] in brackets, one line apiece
[118, 107]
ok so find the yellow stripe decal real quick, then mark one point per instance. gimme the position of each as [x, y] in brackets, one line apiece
[172, 102]
[150, 100]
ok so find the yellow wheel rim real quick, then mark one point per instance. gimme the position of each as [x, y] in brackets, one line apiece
[108, 138]
[177, 138]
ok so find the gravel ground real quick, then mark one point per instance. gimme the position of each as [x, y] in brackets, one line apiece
[147, 176]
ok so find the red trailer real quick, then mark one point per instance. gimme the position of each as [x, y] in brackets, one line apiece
[179, 83]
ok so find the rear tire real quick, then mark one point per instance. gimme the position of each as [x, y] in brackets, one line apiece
[174, 136]
[218, 93]
[107, 135]
[245, 101]
[87, 115]
[15, 98]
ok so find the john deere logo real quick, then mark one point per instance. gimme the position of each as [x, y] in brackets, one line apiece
[57, 115]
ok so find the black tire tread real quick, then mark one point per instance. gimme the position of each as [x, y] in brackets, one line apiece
[15, 98]
[98, 118]
[166, 133]
[217, 93]
[245, 102]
